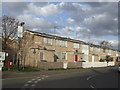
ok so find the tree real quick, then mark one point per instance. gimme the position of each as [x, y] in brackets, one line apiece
[9, 30]
[106, 44]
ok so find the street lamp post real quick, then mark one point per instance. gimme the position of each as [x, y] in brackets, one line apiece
[20, 36]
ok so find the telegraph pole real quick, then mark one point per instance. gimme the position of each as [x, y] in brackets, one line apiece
[55, 27]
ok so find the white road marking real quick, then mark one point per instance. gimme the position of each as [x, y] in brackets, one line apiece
[26, 85]
[43, 78]
[90, 77]
[36, 82]
[39, 79]
[33, 85]
[46, 76]
[33, 79]
[29, 81]
[92, 86]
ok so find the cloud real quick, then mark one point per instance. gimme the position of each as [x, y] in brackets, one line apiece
[70, 21]
[90, 19]
[13, 8]
[114, 43]
[47, 10]
[100, 20]
[35, 23]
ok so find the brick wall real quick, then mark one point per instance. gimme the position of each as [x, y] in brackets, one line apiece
[74, 64]
[50, 65]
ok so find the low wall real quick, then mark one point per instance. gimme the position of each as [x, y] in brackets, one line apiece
[96, 64]
[50, 65]
[74, 65]
[59, 65]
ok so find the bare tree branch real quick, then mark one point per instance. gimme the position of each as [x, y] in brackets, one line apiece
[9, 29]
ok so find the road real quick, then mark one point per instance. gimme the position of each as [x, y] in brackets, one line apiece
[84, 78]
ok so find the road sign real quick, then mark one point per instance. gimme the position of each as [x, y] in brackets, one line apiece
[2, 56]
[1, 64]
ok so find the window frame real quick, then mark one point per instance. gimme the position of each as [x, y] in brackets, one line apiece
[47, 41]
[75, 44]
[61, 55]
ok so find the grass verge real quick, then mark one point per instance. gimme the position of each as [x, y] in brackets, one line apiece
[20, 69]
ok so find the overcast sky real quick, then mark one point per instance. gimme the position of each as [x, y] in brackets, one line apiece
[86, 21]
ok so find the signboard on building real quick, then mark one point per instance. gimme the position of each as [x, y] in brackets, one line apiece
[2, 56]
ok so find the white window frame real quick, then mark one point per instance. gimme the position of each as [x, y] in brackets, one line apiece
[47, 41]
[104, 50]
[98, 49]
[60, 55]
[76, 45]
[61, 43]
[91, 48]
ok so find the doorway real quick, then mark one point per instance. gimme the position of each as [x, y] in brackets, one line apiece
[76, 57]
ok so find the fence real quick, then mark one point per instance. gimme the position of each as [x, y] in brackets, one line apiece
[96, 64]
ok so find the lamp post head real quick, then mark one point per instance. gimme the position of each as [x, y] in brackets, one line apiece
[22, 23]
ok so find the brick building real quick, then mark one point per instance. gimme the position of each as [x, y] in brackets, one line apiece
[40, 47]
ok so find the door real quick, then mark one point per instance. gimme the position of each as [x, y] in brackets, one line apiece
[76, 57]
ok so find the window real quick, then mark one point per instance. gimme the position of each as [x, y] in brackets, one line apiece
[85, 49]
[104, 50]
[76, 45]
[95, 49]
[61, 56]
[109, 50]
[98, 49]
[116, 52]
[91, 48]
[61, 43]
[48, 41]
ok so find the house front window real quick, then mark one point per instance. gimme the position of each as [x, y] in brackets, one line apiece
[61, 43]
[104, 50]
[48, 41]
[91, 48]
[61, 56]
[75, 45]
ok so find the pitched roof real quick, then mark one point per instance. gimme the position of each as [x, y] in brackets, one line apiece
[64, 38]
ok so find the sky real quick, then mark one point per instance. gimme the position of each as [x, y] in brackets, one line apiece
[87, 21]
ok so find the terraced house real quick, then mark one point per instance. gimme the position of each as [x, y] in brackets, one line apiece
[48, 51]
